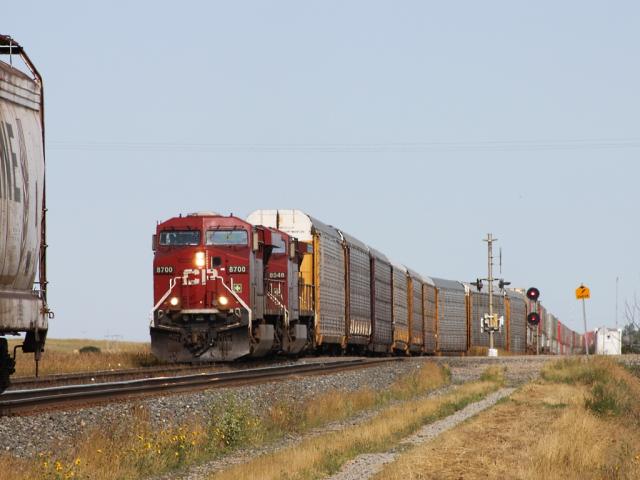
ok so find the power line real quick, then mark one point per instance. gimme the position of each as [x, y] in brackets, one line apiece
[394, 147]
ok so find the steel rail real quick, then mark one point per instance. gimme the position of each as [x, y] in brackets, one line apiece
[104, 375]
[14, 402]
[100, 376]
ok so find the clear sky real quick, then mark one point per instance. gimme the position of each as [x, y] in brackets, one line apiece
[416, 126]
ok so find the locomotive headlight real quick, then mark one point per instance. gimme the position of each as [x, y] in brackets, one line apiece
[199, 260]
[222, 300]
[174, 301]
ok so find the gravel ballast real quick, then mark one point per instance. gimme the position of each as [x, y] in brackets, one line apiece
[50, 431]
[29, 435]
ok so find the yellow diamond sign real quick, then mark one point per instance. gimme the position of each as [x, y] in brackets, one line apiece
[583, 293]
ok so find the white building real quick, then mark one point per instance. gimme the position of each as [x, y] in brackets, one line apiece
[608, 341]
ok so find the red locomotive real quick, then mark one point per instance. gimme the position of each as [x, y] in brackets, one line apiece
[222, 290]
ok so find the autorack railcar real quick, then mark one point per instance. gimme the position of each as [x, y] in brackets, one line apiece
[416, 312]
[381, 302]
[452, 307]
[516, 309]
[429, 307]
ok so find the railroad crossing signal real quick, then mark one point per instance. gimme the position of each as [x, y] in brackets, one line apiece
[491, 323]
[583, 293]
[533, 294]
[533, 318]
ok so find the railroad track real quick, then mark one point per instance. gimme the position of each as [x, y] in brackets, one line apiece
[101, 376]
[16, 402]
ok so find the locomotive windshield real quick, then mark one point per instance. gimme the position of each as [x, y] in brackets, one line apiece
[180, 237]
[227, 237]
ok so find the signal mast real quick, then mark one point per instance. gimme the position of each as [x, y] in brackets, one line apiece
[533, 318]
[490, 322]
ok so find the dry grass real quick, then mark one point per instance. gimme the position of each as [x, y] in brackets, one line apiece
[547, 430]
[494, 373]
[337, 405]
[426, 376]
[122, 452]
[323, 455]
[614, 390]
[63, 356]
[132, 450]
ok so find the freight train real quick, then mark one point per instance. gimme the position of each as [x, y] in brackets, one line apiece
[23, 301]
[282, 281]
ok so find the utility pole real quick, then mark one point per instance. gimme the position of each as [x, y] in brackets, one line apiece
[617, 281]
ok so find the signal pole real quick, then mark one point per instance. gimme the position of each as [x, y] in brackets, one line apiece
[490, 241]
[490, 322]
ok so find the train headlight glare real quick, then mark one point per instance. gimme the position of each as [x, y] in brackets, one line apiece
[222, 300]
[174, 301]
[199, 260]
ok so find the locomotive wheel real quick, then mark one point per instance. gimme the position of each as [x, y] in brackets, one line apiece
[7, 365]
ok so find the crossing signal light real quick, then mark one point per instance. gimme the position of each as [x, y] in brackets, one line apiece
[533, 294]
[533, 318]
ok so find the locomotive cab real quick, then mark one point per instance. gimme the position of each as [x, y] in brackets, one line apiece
[209, 289]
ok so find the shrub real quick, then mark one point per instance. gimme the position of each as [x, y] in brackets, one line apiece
[494, 373]
[232, 424]
[609, 398]
[90, 349]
